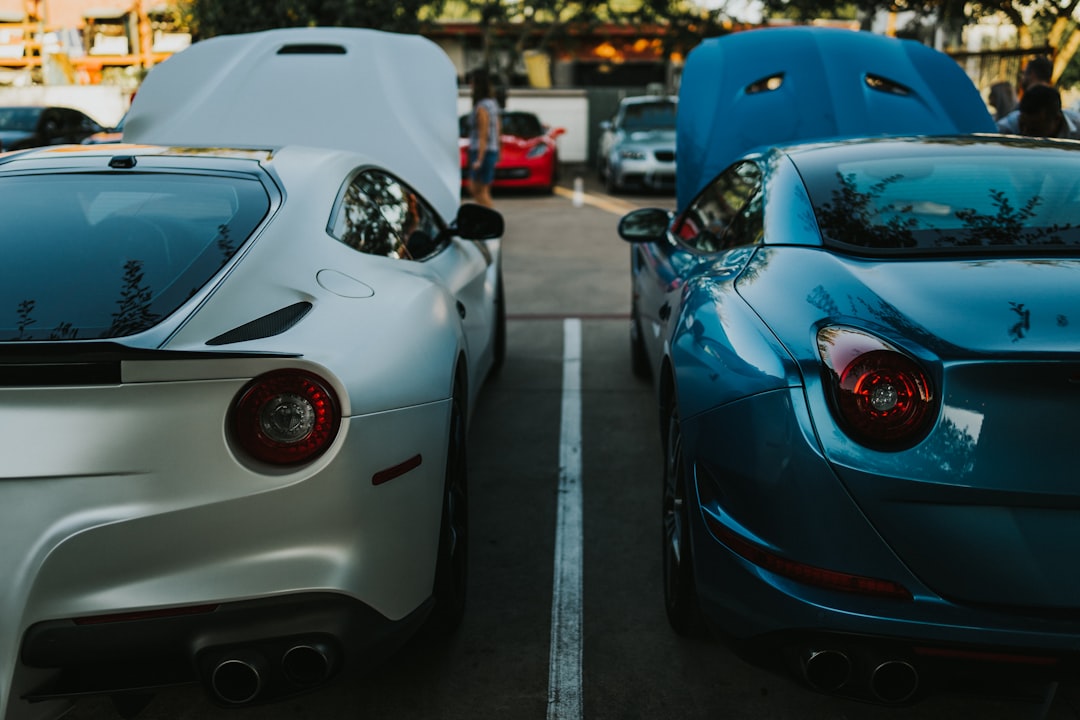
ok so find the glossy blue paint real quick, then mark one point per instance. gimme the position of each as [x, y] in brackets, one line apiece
[961, 253]
[721, 352]
[832, 83]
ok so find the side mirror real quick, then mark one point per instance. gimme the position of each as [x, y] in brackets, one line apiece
[476, 222]
[606, 125]
[645, 225]
[558, 131]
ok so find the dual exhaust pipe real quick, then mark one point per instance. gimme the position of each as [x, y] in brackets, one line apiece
[245, 675]
[891, 681]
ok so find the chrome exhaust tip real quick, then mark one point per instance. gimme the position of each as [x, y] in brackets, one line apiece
[894, 681]
[308, 664]
[826, 670]
[238, 680]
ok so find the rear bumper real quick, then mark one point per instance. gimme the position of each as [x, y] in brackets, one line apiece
[764, 522]
[133, 520]
[932, 643]
[293, 643]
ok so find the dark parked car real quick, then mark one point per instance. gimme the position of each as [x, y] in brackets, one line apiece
[26, 126]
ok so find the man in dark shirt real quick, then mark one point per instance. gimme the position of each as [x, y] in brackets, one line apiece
[1038, 71]
[1040, 115]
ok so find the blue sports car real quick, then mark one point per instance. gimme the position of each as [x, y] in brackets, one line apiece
[864, 328]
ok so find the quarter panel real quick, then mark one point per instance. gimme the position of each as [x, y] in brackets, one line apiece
[722, 351]
[758, 470]
[131, 497]
[407, 330]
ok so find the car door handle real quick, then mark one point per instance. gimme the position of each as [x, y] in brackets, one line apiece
[461, 309]
[665, 311]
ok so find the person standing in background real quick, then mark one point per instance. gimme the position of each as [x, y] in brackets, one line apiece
[1002, 98]
[484, 134]
[1038, 71]
[1041, 115]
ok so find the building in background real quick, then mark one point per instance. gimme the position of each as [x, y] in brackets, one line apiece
[86, 42]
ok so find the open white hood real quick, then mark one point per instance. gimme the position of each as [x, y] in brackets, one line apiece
[388, 96]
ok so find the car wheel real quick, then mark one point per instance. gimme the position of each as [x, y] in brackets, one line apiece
[451, 569]
[611, 186]
[500, 325]
[639, 360]
[555, 173]
[680, 592]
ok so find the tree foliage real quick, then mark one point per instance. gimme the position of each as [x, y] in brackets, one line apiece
[1038, 23]
[512, 27]
[222, 17]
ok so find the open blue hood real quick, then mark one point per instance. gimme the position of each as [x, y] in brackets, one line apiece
[775, 85]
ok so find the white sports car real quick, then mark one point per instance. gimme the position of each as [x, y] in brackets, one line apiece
[235, 383]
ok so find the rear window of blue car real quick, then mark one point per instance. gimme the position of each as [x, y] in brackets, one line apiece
[946, 197]
[92, 255]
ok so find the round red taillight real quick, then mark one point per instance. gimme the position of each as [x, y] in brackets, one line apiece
[882, 397]
[286, 417]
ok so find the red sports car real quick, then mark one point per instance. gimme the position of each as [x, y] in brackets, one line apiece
[528, 158]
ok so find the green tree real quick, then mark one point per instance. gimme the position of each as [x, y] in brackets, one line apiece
[510, 27]
[1038, 23]
[222, 17]
[513, 27]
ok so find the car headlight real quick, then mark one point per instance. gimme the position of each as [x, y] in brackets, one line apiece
[537, 151]
[632, 154]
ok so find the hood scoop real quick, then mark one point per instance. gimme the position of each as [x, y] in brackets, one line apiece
[275, 323]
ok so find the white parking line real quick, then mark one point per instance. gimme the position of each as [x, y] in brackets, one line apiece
[564, 673]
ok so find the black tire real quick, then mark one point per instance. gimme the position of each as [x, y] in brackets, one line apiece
[499, 351]
[611, 187]
[451, 569]
[555, 176]
[639, 359]
[680, 590]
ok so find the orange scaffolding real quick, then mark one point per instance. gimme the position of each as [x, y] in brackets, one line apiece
[22, 42]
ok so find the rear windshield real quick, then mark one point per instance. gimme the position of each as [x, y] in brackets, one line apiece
[93, 256]
[931, 198]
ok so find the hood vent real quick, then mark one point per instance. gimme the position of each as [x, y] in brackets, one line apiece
[311, 49]
[275, 323]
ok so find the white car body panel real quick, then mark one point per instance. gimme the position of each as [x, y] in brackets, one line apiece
[131, 497]
[411, 78]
